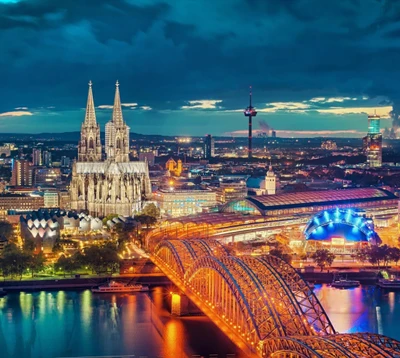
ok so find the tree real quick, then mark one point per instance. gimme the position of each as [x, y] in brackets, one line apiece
[109, 217]
[29, 246]
[323, 257]
[101, 259]
[281, 251]
[282, 255]
[377, 254]
[151, 210]
[362, 255]
[36, 263]
[66, 264]
[394, 254]
[14, 261]
[6, 230]
[146, 220]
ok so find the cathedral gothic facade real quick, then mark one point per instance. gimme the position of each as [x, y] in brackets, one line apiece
[114, 185]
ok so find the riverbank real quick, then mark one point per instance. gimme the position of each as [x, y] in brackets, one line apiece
[365, 277]
[81, 282]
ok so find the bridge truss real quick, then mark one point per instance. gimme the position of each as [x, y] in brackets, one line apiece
[261, 303]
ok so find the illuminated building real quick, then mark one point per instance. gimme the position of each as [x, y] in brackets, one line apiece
[50, 199]
[374, 142]
[174, 168]
[329, 145]
[65, 162]
[231, 189]
[183, 202]
[259, 216]
[250, 112]
[36, 157]
[208, 146]
[47, 176]
[64, 200]
[270, 182]
[339, 230]
[47, 158]
[112, 186]
[5, 150]
[21, 173]
[19, 202]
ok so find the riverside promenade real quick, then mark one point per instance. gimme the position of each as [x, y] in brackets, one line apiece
[81, 282]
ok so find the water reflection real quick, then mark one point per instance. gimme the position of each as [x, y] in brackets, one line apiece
[362, 309]
[71, 324]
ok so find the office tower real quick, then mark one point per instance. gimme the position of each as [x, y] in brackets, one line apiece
[208, 146]
[47, 158]
[250, 112]
[112, 186]
[374, 142]
[21, 173]
[36, 157]
[273, 134]
[65, 162]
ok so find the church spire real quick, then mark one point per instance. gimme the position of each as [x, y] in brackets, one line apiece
[117, 110]
[90, 117]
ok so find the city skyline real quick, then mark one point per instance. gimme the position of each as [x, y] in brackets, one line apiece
[189, 75]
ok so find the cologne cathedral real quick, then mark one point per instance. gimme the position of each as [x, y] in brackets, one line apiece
[113, 185]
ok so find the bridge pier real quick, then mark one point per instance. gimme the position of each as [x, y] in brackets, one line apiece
[181, 305]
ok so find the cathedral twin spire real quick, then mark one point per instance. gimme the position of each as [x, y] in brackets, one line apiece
[117, 133]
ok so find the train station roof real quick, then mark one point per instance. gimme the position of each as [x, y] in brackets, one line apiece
[320, 198]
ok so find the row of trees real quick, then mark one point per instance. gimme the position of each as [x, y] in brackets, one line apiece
[16, 261]
[99, 259]
[379, 255]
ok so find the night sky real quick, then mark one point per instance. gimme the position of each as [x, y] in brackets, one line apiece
[317, 67]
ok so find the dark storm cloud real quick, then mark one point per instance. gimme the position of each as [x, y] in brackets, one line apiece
[169, 52]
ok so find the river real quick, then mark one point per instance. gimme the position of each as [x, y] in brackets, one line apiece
[80, 324]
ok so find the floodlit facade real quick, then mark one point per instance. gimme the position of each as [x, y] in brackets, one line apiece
[256, 217]
[113, 186]
[45, 226]
[175, 203]
[339, 226]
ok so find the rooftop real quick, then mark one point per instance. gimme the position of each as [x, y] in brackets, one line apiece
[321, 197]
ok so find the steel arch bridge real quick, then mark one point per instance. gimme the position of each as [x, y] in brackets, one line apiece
[261, 303]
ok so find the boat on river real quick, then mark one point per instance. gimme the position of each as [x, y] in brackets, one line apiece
[392, 283]
[342, 282]
[119, 287]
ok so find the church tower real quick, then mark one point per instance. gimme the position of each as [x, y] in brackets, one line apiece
[89, 148]
[117, 133]
[270, 182]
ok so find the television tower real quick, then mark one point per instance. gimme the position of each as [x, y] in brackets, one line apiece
[250, 112]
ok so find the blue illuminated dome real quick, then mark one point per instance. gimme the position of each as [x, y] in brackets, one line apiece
[341, 223]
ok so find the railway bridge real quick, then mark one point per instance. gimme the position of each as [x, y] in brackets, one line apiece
[261, 303]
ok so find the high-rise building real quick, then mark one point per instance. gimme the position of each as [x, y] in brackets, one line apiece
[374, 142]
[273, 134]
[47, 158]
[114, 186]
[36, 157]
[65, 162]
[209, 146]
[250, 112]
[21, 173]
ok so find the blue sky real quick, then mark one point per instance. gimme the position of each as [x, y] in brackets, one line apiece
[317, 68]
